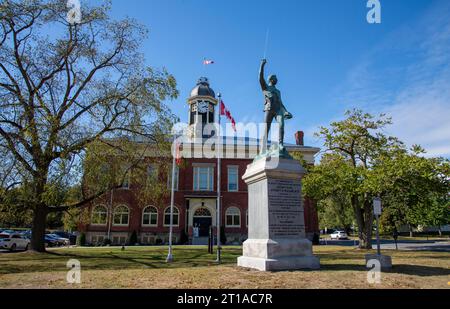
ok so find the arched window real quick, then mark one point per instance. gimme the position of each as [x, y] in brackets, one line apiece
[233, 217]
[121, 215]
[150, 216]
[176, 215]
[99, 215]
[202, 212]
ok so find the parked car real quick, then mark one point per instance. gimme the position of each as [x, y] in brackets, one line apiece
[59, 240]
[70, 236]
[14, 242]
[339, 235]
[50, 241]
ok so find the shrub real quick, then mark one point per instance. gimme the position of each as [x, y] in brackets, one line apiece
[81, 240]
[133, 239]
[184, 239]
[223, 236]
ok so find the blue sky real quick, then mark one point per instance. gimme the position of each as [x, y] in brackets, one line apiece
[327, 57]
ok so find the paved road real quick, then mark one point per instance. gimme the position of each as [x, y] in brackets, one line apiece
[414, 245]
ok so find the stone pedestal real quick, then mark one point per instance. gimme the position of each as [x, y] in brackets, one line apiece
[276, 224]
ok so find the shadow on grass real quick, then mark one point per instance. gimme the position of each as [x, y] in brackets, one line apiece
[419, 270]
[154, 258]
[413, 270]
[114, 259]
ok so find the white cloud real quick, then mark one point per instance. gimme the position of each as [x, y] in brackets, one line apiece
[408, 77]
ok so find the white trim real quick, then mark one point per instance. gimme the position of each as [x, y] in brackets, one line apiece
[204, 207]
[226, 217]
[122, 213]
[204, 164]
[150, 217]
[176, 212]
[196, 203]
[92, 215]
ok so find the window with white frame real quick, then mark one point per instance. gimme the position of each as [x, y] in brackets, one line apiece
[233, 217]
[150, 216]
[176, 215]
[121, 215]
[97, 240]
[119, 240]
[233, 178]
[99, 215]
[203, 178]
[169, 178]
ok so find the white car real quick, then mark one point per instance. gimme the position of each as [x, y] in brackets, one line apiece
[14, 242]
[339, 235]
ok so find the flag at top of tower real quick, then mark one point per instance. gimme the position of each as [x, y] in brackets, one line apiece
[208, 61]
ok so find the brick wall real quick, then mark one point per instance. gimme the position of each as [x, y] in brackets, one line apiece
[229, 199]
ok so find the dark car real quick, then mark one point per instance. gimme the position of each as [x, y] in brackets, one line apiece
[72, 238]
[51, 242]
[60, 241]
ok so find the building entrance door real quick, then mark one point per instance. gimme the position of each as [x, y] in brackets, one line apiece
[203, 225]
[203, 221]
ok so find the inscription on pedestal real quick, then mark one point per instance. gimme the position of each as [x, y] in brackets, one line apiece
[285, 208]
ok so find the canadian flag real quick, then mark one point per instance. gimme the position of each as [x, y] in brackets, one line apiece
[225, 112]
[178, 157]
[207, 62]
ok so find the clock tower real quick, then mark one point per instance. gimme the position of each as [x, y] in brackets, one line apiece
[202, 103]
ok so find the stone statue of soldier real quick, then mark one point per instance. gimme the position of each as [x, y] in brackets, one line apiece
[273, 107]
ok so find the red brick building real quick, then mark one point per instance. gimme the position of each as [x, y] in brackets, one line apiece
[118, 214]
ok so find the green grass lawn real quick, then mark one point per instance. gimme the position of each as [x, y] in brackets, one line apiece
[193, 267]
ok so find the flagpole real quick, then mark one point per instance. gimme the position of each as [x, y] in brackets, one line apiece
[219, 142]
[169, 258]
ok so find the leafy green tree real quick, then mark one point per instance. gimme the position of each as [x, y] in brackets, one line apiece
[352, 146]
[414, 189]
[334, 212]
[86, 83]
[439, 212]
[13, 212]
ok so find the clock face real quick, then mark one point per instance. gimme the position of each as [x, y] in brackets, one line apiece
[203, 107]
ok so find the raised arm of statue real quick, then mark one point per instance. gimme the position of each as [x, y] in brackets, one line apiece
[262, 81]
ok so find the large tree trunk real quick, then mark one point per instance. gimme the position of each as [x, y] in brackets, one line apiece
[364, 219]
[38, 229]
[411, 232]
